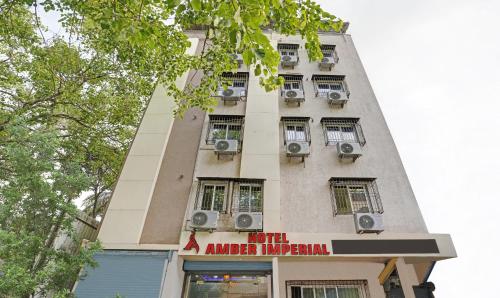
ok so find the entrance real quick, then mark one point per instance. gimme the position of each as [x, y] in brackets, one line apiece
[227, 285]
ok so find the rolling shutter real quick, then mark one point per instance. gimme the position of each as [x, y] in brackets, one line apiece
[128, 273]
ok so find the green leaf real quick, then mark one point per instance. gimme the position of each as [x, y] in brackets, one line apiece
[196, 5]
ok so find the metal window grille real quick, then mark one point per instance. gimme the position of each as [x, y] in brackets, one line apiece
[342, 129]
[212, 195]
[329, 51]
[292, 82]
[247, 196]
[327, 289]
[323, 84]
[236, 80]
[224, 127]
[288, 49]
[296, 129]
[350, 195]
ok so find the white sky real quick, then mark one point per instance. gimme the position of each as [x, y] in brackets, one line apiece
[434, 66]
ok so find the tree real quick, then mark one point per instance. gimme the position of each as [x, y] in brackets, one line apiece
[70, 103]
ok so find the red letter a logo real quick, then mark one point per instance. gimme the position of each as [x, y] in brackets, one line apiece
[192, 243]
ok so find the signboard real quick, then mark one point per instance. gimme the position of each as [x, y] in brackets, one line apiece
[263, 244]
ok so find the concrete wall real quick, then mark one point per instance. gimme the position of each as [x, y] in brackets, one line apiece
[124, 220]
[302, 188]
[305, 193]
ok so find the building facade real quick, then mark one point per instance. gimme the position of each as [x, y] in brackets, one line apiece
[298, 192]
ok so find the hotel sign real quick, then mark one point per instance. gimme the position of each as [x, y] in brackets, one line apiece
[263, 244]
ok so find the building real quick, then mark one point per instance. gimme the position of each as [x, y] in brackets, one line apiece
[296, 193]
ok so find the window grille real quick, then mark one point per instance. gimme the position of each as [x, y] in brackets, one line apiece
[327, 289]
[342, 129]
[288, 49]
[296, 129]
[236, 194]
[236, 80]
[329, 51]
[224, 127]
[351, 195]
[292, 82]
[212, 195]
[247, 196]
[323, 84]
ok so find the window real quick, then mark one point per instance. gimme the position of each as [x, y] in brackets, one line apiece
[288, 49]
[324, 84]
[296, 129]
[222, 127]
[250, 198]
[342, 129]
[355, 196]
[236, 80]
[327, 289]
[329, 51]
[230, 194]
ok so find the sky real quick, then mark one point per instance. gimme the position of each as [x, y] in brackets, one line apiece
[435, 68]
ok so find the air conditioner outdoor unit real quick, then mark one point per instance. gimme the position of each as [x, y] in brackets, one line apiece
[248, 221]
[232, 94]
[337, 98]
[326, 63]
[368, 222]
[294, 96]
[226, 146]
[297, 148]
[238, 58]
[287, 60]
[347, 150]
[204, 220]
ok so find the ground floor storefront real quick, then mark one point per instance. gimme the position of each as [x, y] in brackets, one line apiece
[237, 265]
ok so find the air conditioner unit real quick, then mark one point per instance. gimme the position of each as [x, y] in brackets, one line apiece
[287, 61]
[226, 146]
[297, 148]
[349, 150]
[232, 94]
[326, 63]
[204, 220]
[337, 98]
[295, 96]
[248, 221]
[368, 222]
[238, 58]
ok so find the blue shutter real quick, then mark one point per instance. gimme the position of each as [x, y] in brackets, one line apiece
[128, 273]
[228, 266]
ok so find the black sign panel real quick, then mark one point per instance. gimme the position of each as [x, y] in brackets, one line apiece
[381, 246]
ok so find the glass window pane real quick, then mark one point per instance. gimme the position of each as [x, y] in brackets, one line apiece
[307, 293]
[327, 54]
[300, 134]
[320, 292]
[296, 292]
[331, 293]
[342, 199]
[359, 199]
[219, 198]
[239, 83]
[291, 53]
[234, 132]
[290, 132]
[287, 86]
[296, 85]
[348, 292]
[219, 132]
[208, 192]
[244, 198]
[324, 86]
[337, 86]
[256, 199]
[348, 133]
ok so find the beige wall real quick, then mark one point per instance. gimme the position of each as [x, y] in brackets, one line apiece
[124, 220]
